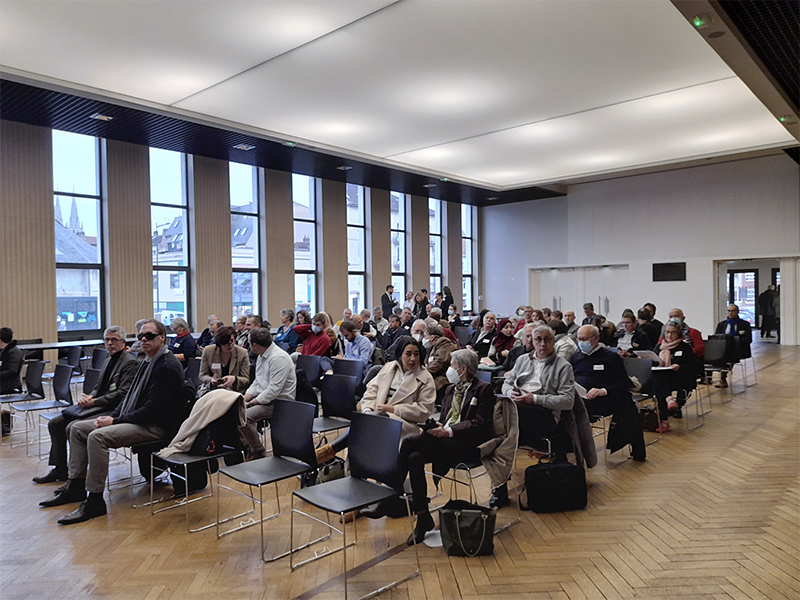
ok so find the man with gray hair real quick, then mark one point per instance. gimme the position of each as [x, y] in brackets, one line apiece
[137, 345]
[115, 379]
[379, 320]
[182, 345]
[152, 410]
[439, 348]
[207, 337]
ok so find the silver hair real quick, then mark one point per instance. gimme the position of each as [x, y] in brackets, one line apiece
[543, 329]
[178, 322]
[139, 323]
[376, 309]
[115, 329]
[419, 322]
[435, 330]
[436, 312]
[287, 312]
[465, 358]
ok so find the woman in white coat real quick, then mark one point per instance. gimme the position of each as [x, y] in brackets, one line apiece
[402, 390]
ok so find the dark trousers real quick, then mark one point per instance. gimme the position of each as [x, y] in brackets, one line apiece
[535, 422]
[418, 450]
[58, 442]
[664, 383]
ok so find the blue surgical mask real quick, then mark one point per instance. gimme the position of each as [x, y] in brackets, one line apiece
[585, 346]
[678, 320]
[316, 328]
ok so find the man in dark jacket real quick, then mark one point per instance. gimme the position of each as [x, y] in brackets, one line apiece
[115, 380]
[10, 362]
[741, 331]
[152, 409]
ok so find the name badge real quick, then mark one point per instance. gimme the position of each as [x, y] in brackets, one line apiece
[177, 346]
[474, 402]
[215, 366]
[112, 387]
[679, 353]
[741, 332]
[634, 345]
[599, 367]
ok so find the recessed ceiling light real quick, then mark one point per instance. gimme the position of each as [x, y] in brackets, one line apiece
[445, 179]
[244, 147]
[493, 198]
[716, 34]
[345, 168]
[289, 144]
[100, 117]
[429, 185]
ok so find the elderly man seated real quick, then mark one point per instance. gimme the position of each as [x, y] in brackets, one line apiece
[602, 373]
[690, 335]
[741, 332]
[520, 349]
[629, 339]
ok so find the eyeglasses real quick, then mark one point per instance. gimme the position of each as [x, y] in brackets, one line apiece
[149, 336]
[545, 340]
[110, 340]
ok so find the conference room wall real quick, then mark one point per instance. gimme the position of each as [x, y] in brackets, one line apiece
[379, 272]
[277, 243]
[332, 249]
[129, 271]
[451, 251]
[210, 240]
[727, 211]
[419, 241]
[27, 260]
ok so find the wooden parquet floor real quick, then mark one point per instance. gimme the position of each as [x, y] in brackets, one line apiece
[712, 514]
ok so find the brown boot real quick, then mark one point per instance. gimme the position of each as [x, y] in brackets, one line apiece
[325, 453]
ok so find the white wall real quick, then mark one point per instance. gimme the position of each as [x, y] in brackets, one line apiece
[741, 209]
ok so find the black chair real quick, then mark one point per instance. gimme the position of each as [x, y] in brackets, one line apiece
[192, 371]
[61, 393]
[180, 463]
[344, 366]
[338, 402]
[99, 356]
[34, 388]
[640, 370]
[292, 455]
[309, 364]
[462, 334]
[721, 354]
[372, 455]
[31, 354]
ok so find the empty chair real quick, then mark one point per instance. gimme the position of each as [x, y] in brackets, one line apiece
[309, 364]
[99, 356]
[344, 366]
[372, 455]
[192, 371]
[338, 402]
[640, 371]
[462, 335]
[721, 355]
[61, 392]
[293, 454]
[34, 389]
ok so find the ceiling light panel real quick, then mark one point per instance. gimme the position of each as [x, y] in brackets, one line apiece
[433, 72]
[161, 51]
[715, 119]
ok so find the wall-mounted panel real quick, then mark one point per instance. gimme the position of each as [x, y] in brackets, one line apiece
[420, 243]
[332, 248]
[279, 244]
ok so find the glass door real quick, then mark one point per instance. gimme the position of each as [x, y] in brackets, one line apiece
[743, 291]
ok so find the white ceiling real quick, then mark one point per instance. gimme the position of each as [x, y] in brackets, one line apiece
[499, 93]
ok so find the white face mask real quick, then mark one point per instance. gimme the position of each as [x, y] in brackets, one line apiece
[426, 343]
[416, 336]
[452, 375]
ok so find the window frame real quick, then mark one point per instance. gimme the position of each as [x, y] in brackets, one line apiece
[256, 215]
[402, 205]
[434, 275]
[313, 272]
[468, 277]
[359, 273]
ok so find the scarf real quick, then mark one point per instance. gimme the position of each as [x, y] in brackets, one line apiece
[732, 324]
[454, 414]
[140, 381]
[501, 341]
[665, 355]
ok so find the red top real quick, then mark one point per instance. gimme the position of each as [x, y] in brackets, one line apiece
[314, 344]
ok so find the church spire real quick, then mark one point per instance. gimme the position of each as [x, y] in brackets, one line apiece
[59, 215]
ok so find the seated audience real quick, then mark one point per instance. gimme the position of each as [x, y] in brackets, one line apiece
[644, 319]
[742, 333]
[466, 422]
[542, 385]
[453, 318]
[252, 322]
[224, 364]
[286, 334]
[357, 347]
[436, 318]
[241, 331]
[406, 319]
[115, 379]
[606, 328]
[409, 302]
[503, 342]
[439, 300]
[152, 410]
[674, 352]
[10, 362]
[572, 326]
[565, 345]
[629, 339]
[315, 339]
[136, 347]
[602, 373]
[556, 314]
[547, 314]
[275, 379]
[691, 336]
[481, 339]
[403, 390]
[391, 335]
[207, 337]
[438, 349]
[347, 315]
[520, 349]
[379, 322]
[303, 318]
[652, 309]
[588, 311]
[182, 345]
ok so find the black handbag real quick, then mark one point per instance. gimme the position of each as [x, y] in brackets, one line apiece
[555, 487]
[649, 419]
[467, 529]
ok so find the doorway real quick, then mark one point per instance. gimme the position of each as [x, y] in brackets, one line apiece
[743, 291]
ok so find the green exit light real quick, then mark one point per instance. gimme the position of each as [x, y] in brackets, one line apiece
[701, 21]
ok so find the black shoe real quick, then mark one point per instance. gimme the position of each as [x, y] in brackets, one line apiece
[499, 497]
[377, 511]
[60, 489]
[676, 414]
[92, 507]
[54, 475]
[75, 492]
[424, 525]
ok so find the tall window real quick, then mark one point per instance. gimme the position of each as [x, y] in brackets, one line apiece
[435, 240]
[356, 247]
[398, 225]
[467, 237]
[170, 241]
[305, 243]
[79, 256]
[244, 239]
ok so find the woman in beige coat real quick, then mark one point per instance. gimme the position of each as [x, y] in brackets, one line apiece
[224, 364]
[403, 390]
